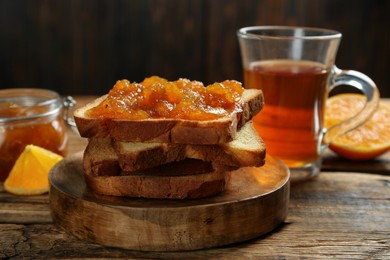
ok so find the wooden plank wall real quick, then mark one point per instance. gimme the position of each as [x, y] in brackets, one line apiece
[83, 47]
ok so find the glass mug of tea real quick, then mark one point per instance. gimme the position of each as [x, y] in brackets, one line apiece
[295, 69]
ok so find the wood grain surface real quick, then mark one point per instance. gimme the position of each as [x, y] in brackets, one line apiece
[333, 162]
[254, 203]
[337, 215]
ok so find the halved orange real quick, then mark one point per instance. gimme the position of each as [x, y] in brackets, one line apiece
[29, 175]
[365, 142]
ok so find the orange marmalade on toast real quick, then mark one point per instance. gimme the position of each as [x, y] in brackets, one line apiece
[157, 97]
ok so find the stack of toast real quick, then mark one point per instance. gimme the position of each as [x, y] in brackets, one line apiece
[169, 158]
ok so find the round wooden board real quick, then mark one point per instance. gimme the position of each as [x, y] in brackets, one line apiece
[254, 203]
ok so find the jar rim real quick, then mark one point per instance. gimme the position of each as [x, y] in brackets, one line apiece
[35, 102]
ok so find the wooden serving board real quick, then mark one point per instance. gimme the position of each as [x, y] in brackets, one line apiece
[254, 203]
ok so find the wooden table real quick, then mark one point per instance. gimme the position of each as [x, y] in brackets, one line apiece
[343, 213]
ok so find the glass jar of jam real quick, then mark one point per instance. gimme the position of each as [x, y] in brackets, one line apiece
[30, 116]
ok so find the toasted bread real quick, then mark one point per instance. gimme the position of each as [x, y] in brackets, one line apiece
[187, 179]
[248, 149]
[100, 158]
[170, 130]
[106, 157]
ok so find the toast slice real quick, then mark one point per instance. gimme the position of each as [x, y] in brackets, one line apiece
[100, 158]
[248, 149]
[169, 130]
[104, 156]
[187, 179]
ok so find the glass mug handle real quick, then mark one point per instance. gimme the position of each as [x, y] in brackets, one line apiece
[367, 87]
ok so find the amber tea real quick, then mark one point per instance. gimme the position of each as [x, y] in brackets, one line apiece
[294, 92]
[295, 68]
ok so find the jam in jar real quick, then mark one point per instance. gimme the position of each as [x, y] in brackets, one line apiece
[29, 116]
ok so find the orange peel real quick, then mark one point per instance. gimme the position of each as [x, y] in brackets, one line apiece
[368, 141]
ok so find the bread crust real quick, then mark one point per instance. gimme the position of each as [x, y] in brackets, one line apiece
[100, 154]
[176, 182]
[154, 154]
[100, 159]
[186, 179]
[170, 130]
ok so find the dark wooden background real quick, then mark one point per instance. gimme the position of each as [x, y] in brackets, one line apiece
[83, 47]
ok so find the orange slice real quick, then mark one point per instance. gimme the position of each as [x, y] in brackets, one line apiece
[365, 142]
[29, 175]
